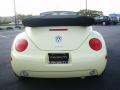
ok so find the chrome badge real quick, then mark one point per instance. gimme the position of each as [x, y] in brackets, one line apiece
[58, 39]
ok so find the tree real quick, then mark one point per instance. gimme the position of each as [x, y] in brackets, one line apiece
[5, 20]
[88, 12]
[22, 16]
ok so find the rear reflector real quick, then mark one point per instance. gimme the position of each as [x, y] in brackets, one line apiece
[58, 29]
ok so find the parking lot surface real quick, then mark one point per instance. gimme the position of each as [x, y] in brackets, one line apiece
[110, 80]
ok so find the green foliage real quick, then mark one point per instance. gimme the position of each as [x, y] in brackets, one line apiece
[4, 22]
[22, 16]
[88, 12]
[7, 20]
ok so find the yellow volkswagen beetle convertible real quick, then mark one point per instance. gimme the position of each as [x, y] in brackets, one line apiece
[56, 45]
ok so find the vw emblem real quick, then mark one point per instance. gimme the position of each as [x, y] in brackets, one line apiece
[58, 39]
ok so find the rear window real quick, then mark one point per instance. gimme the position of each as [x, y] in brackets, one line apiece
[58, 13]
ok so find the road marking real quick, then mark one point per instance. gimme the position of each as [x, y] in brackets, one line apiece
[1, 36]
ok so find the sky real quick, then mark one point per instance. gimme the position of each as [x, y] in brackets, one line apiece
[35, 7]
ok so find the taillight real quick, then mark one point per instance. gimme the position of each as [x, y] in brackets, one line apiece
[21, 45]
[95, 44]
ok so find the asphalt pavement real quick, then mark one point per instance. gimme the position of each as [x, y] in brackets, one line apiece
[110, 80]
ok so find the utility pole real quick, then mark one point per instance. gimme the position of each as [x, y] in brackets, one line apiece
[15, 14]
[86, 6]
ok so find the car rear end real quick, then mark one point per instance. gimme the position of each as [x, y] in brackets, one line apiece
[58, 52]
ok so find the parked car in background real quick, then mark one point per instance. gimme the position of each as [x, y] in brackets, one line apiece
[1, 28]
[102, 20]
[107, 20]
[114, 20]
[9, 28]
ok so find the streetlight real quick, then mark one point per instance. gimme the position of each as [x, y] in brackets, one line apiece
[15, 13]
[86, 5]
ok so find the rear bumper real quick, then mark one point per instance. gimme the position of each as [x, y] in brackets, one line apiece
[58, 74]
[38, 66]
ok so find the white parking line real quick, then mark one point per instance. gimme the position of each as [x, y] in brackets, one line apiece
[1, 36]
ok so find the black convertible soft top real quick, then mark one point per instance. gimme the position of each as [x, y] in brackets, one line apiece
[58, 20]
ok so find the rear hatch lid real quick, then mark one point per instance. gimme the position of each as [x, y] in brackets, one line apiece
[58, 37]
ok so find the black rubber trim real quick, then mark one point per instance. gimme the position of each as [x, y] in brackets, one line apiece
[58, 20]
